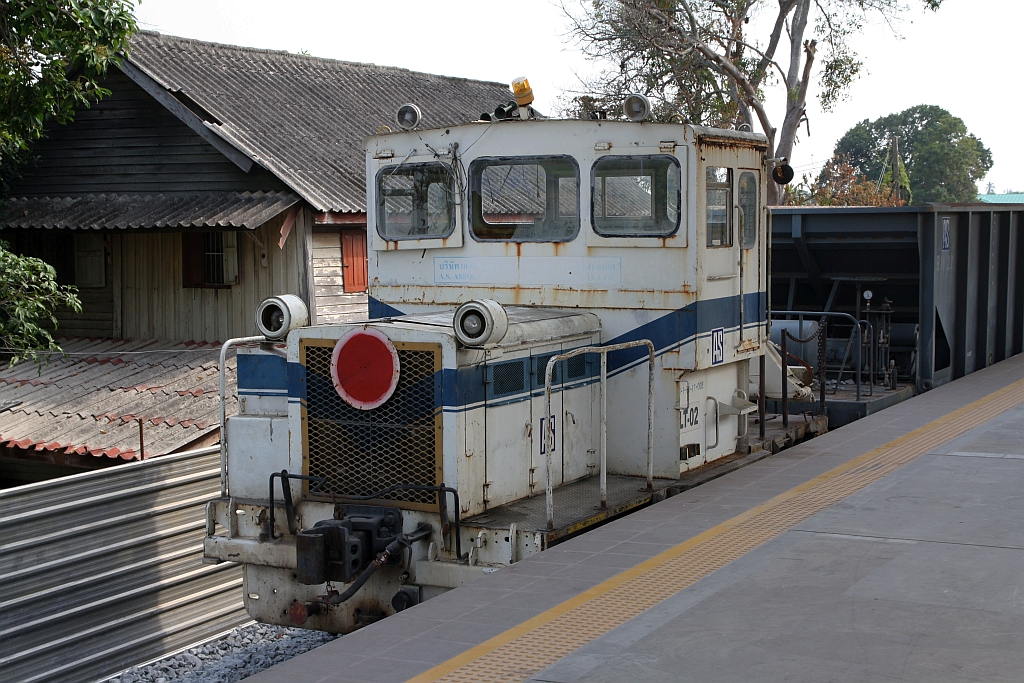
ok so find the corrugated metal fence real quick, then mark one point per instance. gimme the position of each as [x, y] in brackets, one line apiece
[102, 571]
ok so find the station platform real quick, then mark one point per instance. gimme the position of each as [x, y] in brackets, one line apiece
[891, 549]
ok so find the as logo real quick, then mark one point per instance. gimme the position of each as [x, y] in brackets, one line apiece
[718, 346]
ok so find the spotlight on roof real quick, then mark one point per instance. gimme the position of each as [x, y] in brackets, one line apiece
[636, 107]
[409, 116]
[279, 315]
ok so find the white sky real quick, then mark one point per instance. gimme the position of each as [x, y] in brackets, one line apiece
[962, 58]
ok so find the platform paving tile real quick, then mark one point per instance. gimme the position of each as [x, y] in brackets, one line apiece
[539, 601]
[429, 650]
[495, 614]
[814, 604]
[464, 631]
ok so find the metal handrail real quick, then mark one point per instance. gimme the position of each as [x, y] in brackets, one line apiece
[223, 407]
[549, 430]
[860, 338]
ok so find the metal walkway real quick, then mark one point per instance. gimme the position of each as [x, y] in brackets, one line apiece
[890, 549]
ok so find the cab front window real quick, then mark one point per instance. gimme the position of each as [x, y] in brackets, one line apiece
[525, 199]
[635, 196]
[415, 202]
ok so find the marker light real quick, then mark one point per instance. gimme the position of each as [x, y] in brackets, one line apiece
[522, 91]
[408, 116]
[636, 107]
[364, 368]
[783, 174]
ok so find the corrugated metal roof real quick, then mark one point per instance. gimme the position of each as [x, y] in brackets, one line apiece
[302, 117]
[187, 210]
[91, 400]
[1011, 198]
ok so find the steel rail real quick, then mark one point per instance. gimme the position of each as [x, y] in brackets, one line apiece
[549, 430]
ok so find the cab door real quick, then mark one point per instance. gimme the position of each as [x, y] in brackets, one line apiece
[509, 431]
[730, 239]
[541, 421]
[751, 221]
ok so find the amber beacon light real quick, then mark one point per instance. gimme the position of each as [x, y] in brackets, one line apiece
[523, 94]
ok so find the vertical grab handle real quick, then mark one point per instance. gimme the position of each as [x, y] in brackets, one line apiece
[549, 429]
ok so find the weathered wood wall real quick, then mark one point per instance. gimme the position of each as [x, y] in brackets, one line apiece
[333, 304]
[128, 142]
[97, 316]
[156, 306]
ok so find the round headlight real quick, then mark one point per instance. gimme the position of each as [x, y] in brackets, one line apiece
[408, 116]
[278, 315]
[473, 324]
[482, 322]
[636, 107]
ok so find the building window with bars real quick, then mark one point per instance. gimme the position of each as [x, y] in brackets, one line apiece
[209, 259]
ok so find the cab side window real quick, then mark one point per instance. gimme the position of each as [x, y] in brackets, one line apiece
[718, 180]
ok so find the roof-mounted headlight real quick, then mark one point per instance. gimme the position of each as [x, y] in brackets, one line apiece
[409, 116]
[636, 107]
[482, 322]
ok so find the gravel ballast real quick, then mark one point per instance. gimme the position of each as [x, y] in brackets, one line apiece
[242, 653]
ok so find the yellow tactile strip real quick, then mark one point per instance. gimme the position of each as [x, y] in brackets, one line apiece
[537, 643]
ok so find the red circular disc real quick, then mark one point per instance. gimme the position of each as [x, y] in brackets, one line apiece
[364, 368]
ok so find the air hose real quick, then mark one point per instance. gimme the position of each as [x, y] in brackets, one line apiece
[401, 542]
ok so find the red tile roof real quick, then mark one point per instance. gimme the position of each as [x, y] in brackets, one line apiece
[91, 400]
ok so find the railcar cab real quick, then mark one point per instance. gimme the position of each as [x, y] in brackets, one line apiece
[658, 229]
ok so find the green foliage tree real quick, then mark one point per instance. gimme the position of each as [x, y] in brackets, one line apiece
[52, 55]
[943, 160]
[704, 61]
[29, 298]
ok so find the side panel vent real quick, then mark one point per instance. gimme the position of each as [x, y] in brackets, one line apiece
[365, 451]
[576, 367]
[508, 378]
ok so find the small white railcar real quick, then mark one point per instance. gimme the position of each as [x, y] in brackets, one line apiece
[411, 453]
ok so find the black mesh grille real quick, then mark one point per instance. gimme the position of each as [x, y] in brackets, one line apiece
[364, 451]
[576, 367]
[541, 367]
[509, 377]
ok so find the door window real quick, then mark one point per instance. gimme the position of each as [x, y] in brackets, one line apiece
[719, 203]
[747, 200]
